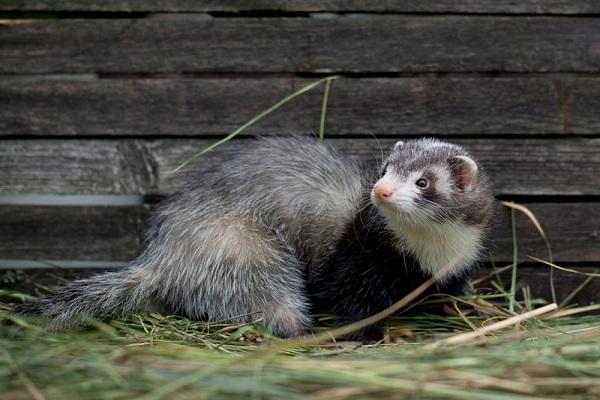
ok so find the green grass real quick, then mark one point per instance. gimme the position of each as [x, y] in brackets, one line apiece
[150, 356]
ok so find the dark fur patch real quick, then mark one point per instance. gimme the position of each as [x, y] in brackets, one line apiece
[367, 274]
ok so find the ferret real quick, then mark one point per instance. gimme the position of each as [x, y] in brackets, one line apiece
[288, 227]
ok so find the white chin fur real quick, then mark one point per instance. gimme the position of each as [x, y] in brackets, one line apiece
[443, 250]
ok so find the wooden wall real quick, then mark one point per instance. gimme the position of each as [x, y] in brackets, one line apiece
[99, 101]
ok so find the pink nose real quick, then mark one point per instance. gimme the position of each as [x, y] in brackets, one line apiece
[382, 190]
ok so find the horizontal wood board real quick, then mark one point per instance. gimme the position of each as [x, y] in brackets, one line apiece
[538, 279]
[371, 43]
[441, 6]
[475, 106]
[115, 233]
[77, 233]
[566, 167]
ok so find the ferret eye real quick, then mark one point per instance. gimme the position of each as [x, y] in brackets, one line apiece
[383, 170]
[422, 183]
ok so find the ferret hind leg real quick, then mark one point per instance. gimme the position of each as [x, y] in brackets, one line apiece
[240, 271]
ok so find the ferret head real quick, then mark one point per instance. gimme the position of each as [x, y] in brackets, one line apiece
[427, 181]
[437, 199]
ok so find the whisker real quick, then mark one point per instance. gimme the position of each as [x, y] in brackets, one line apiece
[380, 148]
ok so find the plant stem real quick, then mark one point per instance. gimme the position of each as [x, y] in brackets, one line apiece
[513, 280]
[324, 108]
[255, 119]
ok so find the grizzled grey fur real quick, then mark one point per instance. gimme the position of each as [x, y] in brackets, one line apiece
[238, 241]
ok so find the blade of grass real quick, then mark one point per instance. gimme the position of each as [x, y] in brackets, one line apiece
[527, 298]
[572, 311]
[514, 206]
[324, 108]
[462, 315]
[577, 290]
[513, 279]
[465, 337]
[255, 119]
[495, 271]
[506, 384]
[573, 271]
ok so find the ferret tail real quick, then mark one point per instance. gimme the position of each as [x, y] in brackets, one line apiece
[105, 295]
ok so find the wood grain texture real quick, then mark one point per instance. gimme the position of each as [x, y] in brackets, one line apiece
[373, 43]
[134, 166]
[80, 233]
[77, 167]
[460, 6]
[115, 233]
[381, 106]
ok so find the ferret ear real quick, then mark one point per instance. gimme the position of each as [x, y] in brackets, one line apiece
[398, 144]
[464, 171]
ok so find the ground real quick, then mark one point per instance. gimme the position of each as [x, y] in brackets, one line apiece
[151, 356]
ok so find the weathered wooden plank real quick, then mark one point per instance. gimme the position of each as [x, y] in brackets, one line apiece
[80, 233]
[381, 106]
[373, 43]
[135, 166]
[115, 233]
[538, 280]
[573, 230]
[462, 6]
[77, 167]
